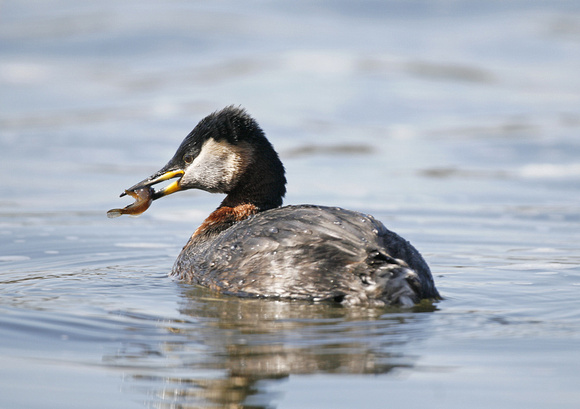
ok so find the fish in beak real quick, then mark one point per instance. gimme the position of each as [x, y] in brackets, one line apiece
[144, 194]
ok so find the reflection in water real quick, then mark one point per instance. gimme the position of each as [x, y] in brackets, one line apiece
[224, 347]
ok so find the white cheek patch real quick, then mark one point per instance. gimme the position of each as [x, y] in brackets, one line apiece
[218, 166]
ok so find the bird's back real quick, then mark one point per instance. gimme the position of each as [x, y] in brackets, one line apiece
[313, 253]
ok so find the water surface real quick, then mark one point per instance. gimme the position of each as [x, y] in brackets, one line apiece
[455, 123]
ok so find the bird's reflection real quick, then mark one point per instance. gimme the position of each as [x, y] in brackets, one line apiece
[226, 351]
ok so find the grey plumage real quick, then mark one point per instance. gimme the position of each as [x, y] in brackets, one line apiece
[311, 253]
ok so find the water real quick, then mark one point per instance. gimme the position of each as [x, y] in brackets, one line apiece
[455, 123]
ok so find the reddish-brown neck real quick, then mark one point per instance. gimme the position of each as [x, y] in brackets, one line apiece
[224, 217]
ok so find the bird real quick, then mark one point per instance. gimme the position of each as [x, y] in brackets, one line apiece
[253, 246]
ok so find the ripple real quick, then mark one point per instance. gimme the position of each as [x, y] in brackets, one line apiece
[143, 245]
[13, 258]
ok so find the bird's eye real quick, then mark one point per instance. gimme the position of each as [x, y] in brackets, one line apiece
[188, 159]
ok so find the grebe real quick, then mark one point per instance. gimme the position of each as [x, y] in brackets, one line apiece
[251, 247]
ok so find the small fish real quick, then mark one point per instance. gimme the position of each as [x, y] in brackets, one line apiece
[143, 199]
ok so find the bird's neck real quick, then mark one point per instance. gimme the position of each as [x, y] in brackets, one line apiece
[222, 218]
[261, 187]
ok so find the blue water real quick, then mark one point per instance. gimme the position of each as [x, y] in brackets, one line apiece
[456, 123]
